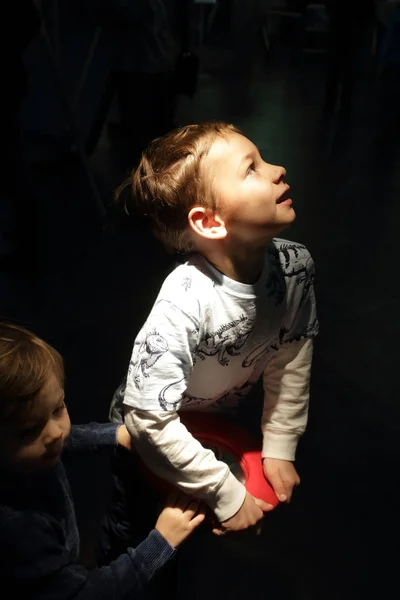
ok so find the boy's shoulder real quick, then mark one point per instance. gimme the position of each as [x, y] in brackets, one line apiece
[184, 291]
[13, 518]
[293, 258]
[292, 278]
[291, 270]
[290, 250]
[34, 543]
[19, 527]
[188, 279]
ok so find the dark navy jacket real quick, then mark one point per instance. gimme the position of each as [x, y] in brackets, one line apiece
[39, 539]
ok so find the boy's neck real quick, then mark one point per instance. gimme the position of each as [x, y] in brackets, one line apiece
[243, 264]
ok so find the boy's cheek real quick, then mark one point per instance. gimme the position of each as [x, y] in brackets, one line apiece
[67, 428]
[21, 458]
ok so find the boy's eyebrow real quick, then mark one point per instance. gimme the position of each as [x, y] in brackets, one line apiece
[33, 421]
[245, 159]
[30, 424]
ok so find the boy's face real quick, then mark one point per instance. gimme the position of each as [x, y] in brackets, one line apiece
[35, 441]
[249, 192]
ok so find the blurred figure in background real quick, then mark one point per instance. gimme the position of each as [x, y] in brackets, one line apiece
[348, 22]
[17, 207]
[149, 36]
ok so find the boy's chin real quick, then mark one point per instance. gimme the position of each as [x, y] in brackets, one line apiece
[50, 461]
[287, 219]
[290, 214]
[42, 464]
[284, 223]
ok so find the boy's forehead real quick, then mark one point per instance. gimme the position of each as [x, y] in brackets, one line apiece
[39, 407]
[35, 410]
[27, 414]
[229, 149]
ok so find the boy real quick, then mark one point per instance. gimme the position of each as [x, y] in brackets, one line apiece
[239, 308]
[39, 539]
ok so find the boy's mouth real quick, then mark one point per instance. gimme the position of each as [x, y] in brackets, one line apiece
[284, 196]
[52, 456]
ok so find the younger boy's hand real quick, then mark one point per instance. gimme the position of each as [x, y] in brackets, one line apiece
[179, 518]
[282, 476]
[124, 438]
[251, 511]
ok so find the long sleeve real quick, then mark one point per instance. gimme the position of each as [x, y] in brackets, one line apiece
[91, 437]
[42, 569]
[160, 369]
[286, 381]
[171, 452]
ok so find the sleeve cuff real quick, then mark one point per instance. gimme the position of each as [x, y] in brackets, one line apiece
[280, 445]
[154, 551]
[92, 437]
[228, 499]
[109, 434]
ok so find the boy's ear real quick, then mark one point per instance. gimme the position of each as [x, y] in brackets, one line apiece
[206, 223]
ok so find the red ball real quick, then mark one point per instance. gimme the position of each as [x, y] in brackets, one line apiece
[230, 441]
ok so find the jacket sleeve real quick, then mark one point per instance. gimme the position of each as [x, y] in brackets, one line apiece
[91, 437]
[41, 566]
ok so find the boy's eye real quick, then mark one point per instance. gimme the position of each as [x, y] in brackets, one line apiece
[250, 169]
[31, 432]
[59, 410]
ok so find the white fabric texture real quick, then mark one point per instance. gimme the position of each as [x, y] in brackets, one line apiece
[171, 452]
[206, 341]
[286, 380]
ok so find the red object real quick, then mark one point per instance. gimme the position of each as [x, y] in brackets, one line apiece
[239, 448]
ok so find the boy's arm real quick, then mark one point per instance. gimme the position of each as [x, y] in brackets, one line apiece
[160, 368]
[287, 375]
[92, 437]
[172, 453]
[286, 385]
[43, 567]
[286, 394]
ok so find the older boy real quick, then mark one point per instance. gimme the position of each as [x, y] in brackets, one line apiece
[240, 307]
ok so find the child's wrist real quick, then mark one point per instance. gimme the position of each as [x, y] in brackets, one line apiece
[123, 438]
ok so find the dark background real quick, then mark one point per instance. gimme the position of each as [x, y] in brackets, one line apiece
[318, 90]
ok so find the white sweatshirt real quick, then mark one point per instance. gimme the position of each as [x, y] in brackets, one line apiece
[206, 341]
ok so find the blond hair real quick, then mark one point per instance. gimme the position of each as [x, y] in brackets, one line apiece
[167, 183]
[26, 362]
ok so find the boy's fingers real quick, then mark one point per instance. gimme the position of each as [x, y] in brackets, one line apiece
[197, 520]
[193, 508]
[172, 499]
[265, 507]
[290, 485]
[183, 502]
[275, 480]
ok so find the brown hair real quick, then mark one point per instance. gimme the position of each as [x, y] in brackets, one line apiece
[26, 362]
[167, 182]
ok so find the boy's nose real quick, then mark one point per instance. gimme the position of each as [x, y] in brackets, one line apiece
[53, 434]
[280, 173]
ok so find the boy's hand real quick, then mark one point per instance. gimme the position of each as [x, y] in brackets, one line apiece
[282, 476]
[179, 518]
[123, 438]
[251, 511]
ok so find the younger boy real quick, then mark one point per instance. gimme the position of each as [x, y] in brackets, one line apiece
[39, 540]
[241, 307]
